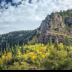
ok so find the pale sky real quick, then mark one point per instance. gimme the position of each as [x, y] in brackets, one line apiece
[18, 15]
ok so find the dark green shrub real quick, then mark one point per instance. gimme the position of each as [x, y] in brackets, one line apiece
[3, 67]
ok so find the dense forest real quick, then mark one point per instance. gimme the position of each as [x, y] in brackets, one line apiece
[16, 37]
[37, 57]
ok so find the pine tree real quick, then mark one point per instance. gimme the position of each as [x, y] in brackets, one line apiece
[47, 46]
[12, 51]
[1, 50]
[66, 41]
[12, 48]
[6, 48]
[5, 57]
[50, 41]
[22, 49]
[55, 45]
[18, 45]
[67, 24]
[4, 51]
[37, 41]
[15, 50]
[28, 42]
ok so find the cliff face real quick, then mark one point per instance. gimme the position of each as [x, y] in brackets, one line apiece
[50, 22]
[54, 26]
[68, 20]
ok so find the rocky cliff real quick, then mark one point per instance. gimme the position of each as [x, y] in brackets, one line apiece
[55, 26]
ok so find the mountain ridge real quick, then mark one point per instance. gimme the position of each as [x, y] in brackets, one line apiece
[55, 26]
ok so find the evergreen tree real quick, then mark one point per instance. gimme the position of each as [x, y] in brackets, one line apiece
[7, 48]
[15, 50]
[28, 42]
[37, 41]
[1, 50]
[66, 41]
[12, 48]
[55, 44]
[47, 46]
[67, 24]
[18, 45]
[22, 49]
[71, 24]
[50, 41]
[5, 57]
[12, 51]
[4, 51]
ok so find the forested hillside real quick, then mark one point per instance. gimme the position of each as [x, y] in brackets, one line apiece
[16, 37]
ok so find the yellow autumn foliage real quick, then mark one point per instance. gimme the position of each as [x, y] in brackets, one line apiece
[56, 27]
[60, 46]
[3, 57]
[42, 49]
[33, 57]
[19, 53]
[8, 57]
[43, 56]
[38, 52]
[46, 54]
[25, 56]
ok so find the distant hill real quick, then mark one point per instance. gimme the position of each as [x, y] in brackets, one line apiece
[16, 37]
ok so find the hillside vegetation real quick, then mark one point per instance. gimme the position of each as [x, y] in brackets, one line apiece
[16, 37]
[67, 13]
[37, 56]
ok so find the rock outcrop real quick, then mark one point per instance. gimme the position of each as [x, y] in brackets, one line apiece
[53, 26]
[52, 21]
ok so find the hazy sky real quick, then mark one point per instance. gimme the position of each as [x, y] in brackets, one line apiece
[27, 14]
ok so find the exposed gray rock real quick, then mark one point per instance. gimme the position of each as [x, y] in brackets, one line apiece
[20, 35]
[68, 20]
[2, 40]
[10, 35]
[0, 35]
[52, 23]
